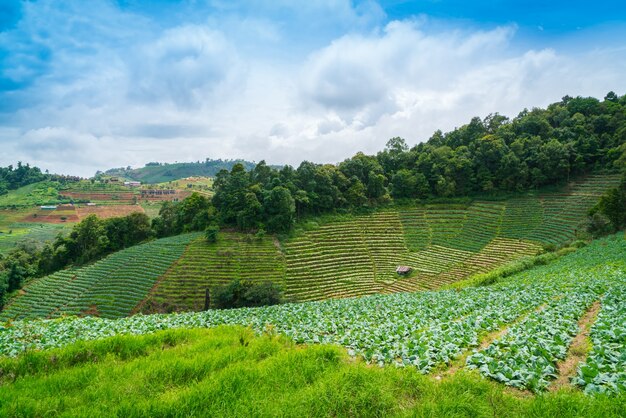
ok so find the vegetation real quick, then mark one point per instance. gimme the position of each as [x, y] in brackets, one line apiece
[89, 240]
[495, 155]
[41, 193]
[605, 368]
[193, 213]
[163, 172]
[229, 371]
[23, 175]
[206, 265]
[612, 207]
[430, 332]
[352, 256]
[111, 287]
[238, 294]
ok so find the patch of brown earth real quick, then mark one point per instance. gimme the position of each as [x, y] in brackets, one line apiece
[578, 349]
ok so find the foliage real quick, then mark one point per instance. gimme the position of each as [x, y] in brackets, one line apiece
[611, 208]
[193, 213]
[417, 330]
[155, 172]
[539, 147]
[239, 294]
[605, 368]
[228, 371]
[211, 233]
[111, 287]
[13, 178]
[89, 240]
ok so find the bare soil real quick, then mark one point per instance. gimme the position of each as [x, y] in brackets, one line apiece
[578, 349]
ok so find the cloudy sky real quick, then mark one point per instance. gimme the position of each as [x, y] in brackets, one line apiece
[87, 85]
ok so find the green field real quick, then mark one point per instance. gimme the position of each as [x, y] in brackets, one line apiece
[434, 347]
[111, 287]
[13, 230]
[41, 193]
[182, 288]
[355, 256]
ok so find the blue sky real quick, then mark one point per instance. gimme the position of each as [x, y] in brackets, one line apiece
[89, 85]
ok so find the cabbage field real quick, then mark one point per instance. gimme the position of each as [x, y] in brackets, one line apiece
[539, 309]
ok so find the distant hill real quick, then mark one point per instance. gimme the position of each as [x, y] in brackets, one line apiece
[163, 172]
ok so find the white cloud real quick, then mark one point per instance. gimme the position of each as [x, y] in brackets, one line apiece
[191, 91]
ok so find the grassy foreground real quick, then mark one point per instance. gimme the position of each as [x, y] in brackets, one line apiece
[227, 371]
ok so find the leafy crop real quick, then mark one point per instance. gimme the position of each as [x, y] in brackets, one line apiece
[420, 330]
[525, 357]
[605, 368]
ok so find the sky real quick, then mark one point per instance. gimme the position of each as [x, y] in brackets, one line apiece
[88, 85]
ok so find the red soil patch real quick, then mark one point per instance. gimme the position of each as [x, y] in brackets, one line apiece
[62, 214]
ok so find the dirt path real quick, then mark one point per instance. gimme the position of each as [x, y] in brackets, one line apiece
[485, 342]
[578, 349]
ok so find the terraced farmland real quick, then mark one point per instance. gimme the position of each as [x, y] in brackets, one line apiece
[353, 257]
[442, 243]
[514, 332]
[204, 265]
[110, 288]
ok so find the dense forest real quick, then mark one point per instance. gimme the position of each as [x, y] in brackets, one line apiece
[13, 178]
[539, 147]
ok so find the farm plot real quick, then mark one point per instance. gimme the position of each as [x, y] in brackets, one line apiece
[332, 261]
[204, 265]
[424, 330]
[605, 368]
[110, 288]
[109, 211]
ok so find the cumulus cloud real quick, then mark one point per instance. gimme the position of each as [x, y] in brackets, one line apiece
[92, 85]
[188, 65]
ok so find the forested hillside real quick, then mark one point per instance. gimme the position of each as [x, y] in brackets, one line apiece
[13, 178]
[494, 155]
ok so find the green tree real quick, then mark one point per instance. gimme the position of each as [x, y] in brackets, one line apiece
[280, 209]
[211, 233]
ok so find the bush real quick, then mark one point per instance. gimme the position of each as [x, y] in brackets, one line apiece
[239, 294]
[211, 233]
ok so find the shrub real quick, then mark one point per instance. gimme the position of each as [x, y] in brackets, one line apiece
[239, 294]
[211, 233]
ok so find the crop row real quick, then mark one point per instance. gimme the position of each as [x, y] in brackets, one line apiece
[110, 287]
[204, 266]
[605, 368]
[527, 354]
[541, 308]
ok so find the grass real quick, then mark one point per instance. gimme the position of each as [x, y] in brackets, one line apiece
[228, 371]
[41, 193]
[13, 230]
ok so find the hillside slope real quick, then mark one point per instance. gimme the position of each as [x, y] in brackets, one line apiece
[160, 173]
[352, 257]
[521, 332]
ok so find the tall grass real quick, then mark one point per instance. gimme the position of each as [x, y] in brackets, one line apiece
[228, 371]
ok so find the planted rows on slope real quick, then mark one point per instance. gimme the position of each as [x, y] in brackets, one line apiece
[421, 330]
[110, 288]
[205, 265]
[605, 368]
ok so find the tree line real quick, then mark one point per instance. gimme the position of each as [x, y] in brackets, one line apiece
[496, 154]
[12, 178]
